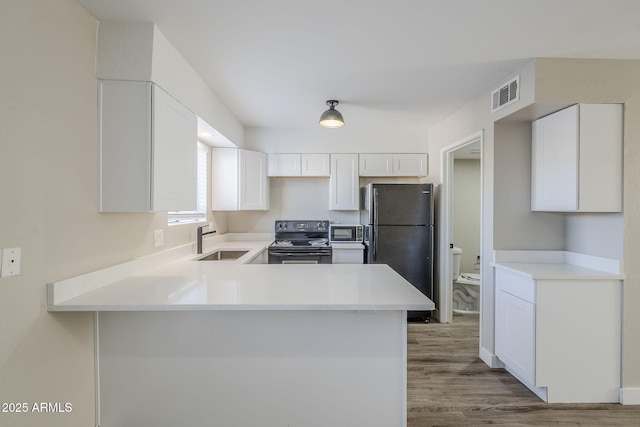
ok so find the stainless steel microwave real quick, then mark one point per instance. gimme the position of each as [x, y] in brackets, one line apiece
[346, 233]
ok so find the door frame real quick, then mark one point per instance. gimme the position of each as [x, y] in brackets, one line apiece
[445, 285]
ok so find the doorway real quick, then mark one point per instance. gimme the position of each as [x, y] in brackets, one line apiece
[469, 148]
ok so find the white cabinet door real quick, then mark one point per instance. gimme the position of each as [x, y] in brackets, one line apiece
[515, 334]
[396, 164]
[147, 149]
[299, 165]
[284, 164]
[344, 183]
[577, 160]
[343, 255]
[239, 180]
[174, 154]
[254, 186]
[376, 164]
[316, 165]
[410, 164]
[555, 161]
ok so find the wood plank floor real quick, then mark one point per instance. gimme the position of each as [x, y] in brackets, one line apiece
[448, 385]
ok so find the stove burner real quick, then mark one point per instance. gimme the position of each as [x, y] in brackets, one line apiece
[319, 242]
[301, 242]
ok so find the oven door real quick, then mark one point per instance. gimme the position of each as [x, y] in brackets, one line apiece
[292, 257]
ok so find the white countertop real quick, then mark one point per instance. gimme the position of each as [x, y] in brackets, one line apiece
[558, 265]
[185, 284]
[557, 271]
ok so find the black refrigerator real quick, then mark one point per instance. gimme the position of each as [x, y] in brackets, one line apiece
[399, 232]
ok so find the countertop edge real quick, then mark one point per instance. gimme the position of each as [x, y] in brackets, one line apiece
[64, 290]
[218, 308]
[536, 271]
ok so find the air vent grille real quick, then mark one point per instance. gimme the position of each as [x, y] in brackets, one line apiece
[506, 94]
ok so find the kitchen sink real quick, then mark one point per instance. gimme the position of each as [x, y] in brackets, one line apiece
[223, 255]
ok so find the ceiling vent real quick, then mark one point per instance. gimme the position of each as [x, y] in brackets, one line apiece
[506, 94]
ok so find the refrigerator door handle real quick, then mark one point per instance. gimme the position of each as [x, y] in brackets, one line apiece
[374, 240]
[375, 206]
[375, 223]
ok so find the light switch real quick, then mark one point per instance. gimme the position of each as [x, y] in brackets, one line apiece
[10, 262]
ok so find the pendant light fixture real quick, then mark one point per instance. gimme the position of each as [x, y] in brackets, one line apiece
[332, 117]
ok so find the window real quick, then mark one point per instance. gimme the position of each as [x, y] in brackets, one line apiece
[200, 214]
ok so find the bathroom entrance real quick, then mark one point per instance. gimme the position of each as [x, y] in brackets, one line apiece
[460, 242]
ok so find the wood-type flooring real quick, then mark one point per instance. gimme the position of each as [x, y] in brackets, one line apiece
[448, 385]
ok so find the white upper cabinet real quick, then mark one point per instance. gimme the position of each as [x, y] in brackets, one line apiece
[316, 165]
[397, 164]
[239, 180]
[577, 160]
[284, 165]
[147, 149]
[376, 164]
[299, 165]
[410, 164]
[344, 191]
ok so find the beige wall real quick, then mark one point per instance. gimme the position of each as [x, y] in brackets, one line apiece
[48, 193]
[473, 117]
[609, 81]
[466, 212]
[48, 137]
[547, 85]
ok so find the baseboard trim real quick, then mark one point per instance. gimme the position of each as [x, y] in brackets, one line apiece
[490, 359]
[630, 396]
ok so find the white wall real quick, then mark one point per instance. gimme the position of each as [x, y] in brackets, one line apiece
[139, 51]
[377, 137]
[297, 199]
[308, 198]
[171, 71]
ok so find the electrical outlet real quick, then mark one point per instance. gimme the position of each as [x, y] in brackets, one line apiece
[158, 238]
[10, 262]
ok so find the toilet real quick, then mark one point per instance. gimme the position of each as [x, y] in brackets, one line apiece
[466, 287]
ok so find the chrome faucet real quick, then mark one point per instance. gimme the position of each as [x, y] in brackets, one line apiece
[200, 234]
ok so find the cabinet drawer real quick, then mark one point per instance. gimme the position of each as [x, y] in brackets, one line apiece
[516, 285]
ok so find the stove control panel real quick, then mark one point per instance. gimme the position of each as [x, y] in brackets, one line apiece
[301, 226]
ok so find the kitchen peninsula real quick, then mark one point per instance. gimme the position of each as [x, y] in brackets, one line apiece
[185, 342]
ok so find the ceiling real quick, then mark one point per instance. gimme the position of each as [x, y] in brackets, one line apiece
[274, 63]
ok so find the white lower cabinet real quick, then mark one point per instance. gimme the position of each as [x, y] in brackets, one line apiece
[239, 180]
[344, 189]
[515, 338]
[261, 258]
[560, 337]
[347, 253]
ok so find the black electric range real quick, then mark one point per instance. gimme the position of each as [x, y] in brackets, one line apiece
[300, 242]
